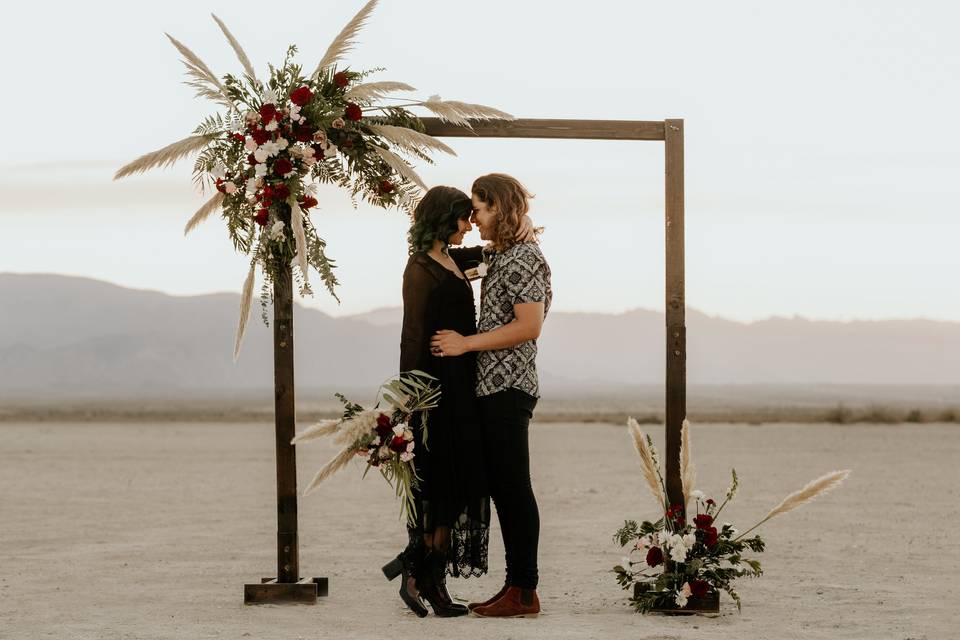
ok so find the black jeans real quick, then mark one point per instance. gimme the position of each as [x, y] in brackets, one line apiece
[506, 419]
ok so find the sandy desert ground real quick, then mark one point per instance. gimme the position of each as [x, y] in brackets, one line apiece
[147, 531]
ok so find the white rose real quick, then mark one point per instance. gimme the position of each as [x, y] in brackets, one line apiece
[230, 188]
[410, 446]
[251, 185]
[398, 430]
[689, 539]
[219, 171]
[282, 143]
[406, 457]
[408, 435]
[260, 170]
[261, 155]
[250, 145]
[338, 123]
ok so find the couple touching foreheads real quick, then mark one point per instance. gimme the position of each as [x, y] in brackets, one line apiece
[477, 443]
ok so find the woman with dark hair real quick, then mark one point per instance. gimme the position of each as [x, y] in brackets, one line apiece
[452, 500]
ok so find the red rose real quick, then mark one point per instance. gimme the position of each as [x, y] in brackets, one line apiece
[703, 521]
[341, 79]
[384, 427]
[281, 191]
[251, 159]
[308, 202]
[317, 151]
[303, 133]
[301, 96]
[711, 538]
[353, 112]
[654, 556]
[282, 167]
[238, 137]
[220, 185]
[699, 588]
[267, 113]
[386, 186]
[262, 216]
[398, 444]
[260, 135]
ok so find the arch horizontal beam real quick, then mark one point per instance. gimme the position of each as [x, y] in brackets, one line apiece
[550, 128]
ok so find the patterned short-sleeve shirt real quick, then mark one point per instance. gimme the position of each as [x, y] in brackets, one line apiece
[515, 276]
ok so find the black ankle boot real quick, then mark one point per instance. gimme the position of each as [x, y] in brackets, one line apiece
[407, 565]
[432, 581]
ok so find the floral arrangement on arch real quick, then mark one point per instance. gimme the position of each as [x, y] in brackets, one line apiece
[673, 564]
[383, 438]
[278, 138]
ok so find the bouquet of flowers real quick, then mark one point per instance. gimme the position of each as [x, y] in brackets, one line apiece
[276, 139]
[679, 561]
[383, 438]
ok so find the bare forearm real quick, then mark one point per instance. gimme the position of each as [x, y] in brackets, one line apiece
[509, 335]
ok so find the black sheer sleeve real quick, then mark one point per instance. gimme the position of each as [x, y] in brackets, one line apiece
[418, 283]
[467, 257]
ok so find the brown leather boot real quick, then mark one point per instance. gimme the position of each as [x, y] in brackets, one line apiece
[489, 601]
[515, 603]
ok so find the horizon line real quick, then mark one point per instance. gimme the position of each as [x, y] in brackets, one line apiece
[372, 310]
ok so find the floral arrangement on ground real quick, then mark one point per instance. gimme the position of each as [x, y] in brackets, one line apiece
[683, 565]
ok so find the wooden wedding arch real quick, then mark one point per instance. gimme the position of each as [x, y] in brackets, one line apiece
[288, 586]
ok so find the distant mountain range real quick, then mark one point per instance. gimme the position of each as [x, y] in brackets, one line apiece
[69, 334]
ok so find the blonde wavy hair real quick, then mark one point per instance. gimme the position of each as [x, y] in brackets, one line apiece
[511, 201]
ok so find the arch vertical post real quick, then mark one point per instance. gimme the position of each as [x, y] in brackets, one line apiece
[676, 342]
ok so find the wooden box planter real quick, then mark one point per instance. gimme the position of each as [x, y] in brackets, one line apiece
[710, 603]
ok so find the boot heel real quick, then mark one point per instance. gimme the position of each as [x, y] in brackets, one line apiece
[393, 568]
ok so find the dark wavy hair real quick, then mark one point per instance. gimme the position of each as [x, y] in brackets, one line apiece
[436, 217]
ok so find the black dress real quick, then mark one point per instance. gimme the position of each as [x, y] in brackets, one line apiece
[453, 489]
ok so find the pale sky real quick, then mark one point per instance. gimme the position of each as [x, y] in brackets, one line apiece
[823, 145]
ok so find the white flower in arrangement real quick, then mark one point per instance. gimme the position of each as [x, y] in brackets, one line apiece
[697, 495]
[330, 151]
[339, 123]
[320, 137]
[272, 125]
[276, 231]
[398, 430]
[683, 595]
[405, 457]
[219, 171]
[229, 188]
[678, 548]
[260, 170]
[269, 96]
[261, 155]
[689, 540]
[282, 143]
[410, 446]
[250, 145]
[408, 435]
[271, 148]
[251, 185]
